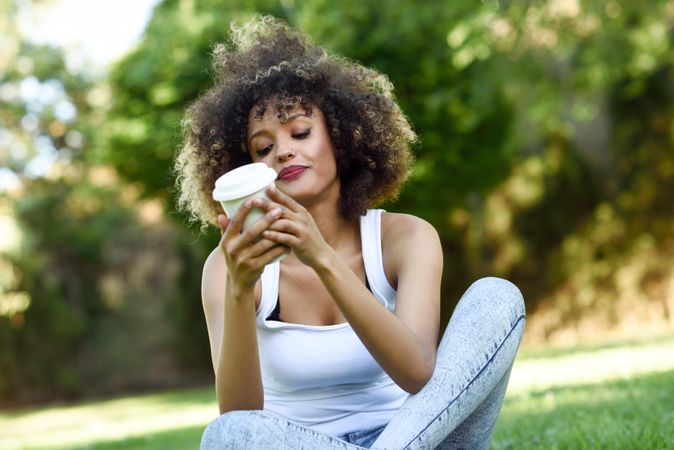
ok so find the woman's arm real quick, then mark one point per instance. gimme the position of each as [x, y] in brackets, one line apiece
[403, 343]
[230, 318]
[228, 297]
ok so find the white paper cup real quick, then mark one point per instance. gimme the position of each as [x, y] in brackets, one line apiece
[238, 185]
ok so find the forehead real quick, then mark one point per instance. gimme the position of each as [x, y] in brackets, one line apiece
[279, 110]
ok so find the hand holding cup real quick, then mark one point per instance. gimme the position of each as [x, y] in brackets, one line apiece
[236, 187]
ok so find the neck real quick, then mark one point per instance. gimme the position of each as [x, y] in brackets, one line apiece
[338, 232]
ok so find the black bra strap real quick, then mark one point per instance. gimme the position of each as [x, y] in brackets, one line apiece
[276, 313]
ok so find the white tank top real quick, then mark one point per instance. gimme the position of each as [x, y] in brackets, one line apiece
[323, 377]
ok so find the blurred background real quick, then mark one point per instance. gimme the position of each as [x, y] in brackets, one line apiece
[545, 157]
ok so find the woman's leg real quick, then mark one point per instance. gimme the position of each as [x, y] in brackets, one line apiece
[257, 430]
[459, 406]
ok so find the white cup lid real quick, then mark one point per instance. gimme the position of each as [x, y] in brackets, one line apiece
[243, 181]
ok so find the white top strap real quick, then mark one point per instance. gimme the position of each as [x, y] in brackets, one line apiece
[269, 296]
[370, 236]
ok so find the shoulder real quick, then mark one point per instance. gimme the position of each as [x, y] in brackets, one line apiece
[406, 239]
[398, 229]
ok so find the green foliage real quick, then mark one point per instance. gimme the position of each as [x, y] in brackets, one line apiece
[49, 296]
[493, 89]
[87, 269]
[111, 299]
[153, 85]
[59, 266]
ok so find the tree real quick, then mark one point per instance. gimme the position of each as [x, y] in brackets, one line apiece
[90, 268]
[518, 107]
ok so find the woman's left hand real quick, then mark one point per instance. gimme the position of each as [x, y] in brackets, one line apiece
[296, 229]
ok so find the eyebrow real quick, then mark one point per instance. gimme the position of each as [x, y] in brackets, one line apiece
[290, 119]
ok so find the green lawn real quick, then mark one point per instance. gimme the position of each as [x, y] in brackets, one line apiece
[617, 396]
[624, 414]
[171, 420]
[610, 396]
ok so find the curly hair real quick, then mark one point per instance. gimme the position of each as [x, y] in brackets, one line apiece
[267, 63]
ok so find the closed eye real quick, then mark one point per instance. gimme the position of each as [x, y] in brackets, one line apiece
[264, 151]
[304, 134]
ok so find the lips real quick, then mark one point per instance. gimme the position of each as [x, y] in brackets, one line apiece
[291, 172]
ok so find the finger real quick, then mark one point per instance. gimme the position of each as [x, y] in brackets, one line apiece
[285, 226]
[270, 255]
[223, 221]
[266, 205]
[250, 234]
[285, 239]
[236, 223]
[276, 195]
[259, 248]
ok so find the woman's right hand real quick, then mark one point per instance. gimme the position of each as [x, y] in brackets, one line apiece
[247, 252]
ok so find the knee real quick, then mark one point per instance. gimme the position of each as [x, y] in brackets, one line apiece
[498, 294]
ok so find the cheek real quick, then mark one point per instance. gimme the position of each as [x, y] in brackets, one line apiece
[331, 163]
[324, 152]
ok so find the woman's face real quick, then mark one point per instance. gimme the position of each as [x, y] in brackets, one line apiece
[298, 147]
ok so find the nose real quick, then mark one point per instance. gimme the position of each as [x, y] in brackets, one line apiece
[286, 153]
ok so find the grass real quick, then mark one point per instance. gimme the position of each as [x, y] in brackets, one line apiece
[626, 414]
[172, 420]
[611, 396]
[617, 395]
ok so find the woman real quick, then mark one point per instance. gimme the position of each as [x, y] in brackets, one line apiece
[336, 345]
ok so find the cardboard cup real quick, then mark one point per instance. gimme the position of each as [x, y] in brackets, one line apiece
[238, 185]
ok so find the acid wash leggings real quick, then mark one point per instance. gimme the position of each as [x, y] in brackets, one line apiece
[458, 407]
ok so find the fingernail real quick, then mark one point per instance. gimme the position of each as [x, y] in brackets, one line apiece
[276, 213]
[248, 203]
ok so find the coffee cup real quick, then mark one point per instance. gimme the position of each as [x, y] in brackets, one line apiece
[238, 185]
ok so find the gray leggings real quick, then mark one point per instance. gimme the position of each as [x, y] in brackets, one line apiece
[458, 407]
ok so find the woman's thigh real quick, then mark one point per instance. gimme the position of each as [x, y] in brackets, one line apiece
[257, 430]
